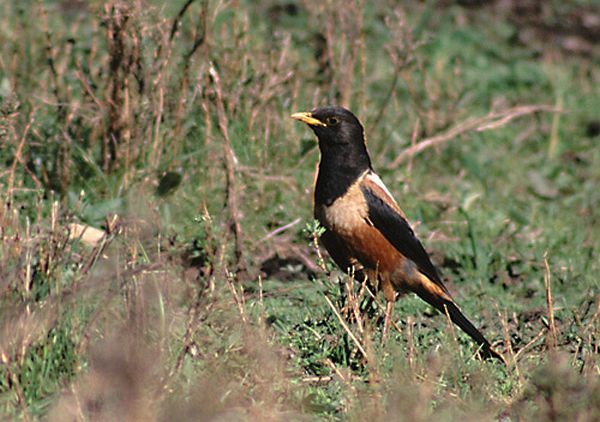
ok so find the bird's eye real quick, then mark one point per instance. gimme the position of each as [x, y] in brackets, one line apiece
[332, 121]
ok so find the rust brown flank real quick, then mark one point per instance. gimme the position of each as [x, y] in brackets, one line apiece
[351, 240]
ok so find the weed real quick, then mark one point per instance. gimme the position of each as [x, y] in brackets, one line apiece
[158, 256]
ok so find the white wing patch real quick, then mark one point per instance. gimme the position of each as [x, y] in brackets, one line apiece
[373, 177]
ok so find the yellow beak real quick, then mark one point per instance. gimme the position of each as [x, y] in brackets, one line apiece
[307, 118]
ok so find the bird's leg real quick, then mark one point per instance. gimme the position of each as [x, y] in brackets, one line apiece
[390, 298]
[387, 321]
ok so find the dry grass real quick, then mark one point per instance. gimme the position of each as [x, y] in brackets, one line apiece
[149, 171]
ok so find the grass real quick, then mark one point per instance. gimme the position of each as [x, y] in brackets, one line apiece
[197, 290]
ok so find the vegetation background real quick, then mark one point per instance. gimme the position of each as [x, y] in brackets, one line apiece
[158, 257]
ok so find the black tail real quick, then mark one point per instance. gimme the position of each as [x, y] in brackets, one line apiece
[457, 317]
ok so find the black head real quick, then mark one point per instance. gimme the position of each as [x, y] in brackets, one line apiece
[344, 155]
[340, 133]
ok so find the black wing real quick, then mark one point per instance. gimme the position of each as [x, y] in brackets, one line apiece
[398, 232]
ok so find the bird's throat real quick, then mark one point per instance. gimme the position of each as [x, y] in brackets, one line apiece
[335, 178]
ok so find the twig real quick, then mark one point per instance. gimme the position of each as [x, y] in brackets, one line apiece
[87, 88]
[14, 380]
[492, 121]
[411, 344]
[318, 379]
[198, 41]
[177, 19]
[117, 21]
[454, 338]
[390, 93]
[190, 327]
[283, 247]
[353, 301]
[230, 164]
[106, 282]
[156, 150]
[101, 245]
[413, 142]
[238, 298]
[382, 308]
[335, 369]
[551, 340]
[200, 36]
[554, 138]
[50, 61]
[345, 326]
[280, 229]
[260, 299]
[511, 354]
[204, 292]
[18, 152]
[320, 260]
[529, 344]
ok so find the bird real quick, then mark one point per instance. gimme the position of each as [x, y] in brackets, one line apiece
[365, 230]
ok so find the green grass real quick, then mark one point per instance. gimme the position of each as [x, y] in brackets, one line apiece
[110, 120]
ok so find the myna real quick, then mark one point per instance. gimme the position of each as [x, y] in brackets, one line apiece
[366, 232]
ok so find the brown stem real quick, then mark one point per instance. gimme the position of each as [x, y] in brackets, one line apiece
[492, 121]
[230, 161]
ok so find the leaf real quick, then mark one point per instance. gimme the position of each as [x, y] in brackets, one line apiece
[168, 183]
[542, 186]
